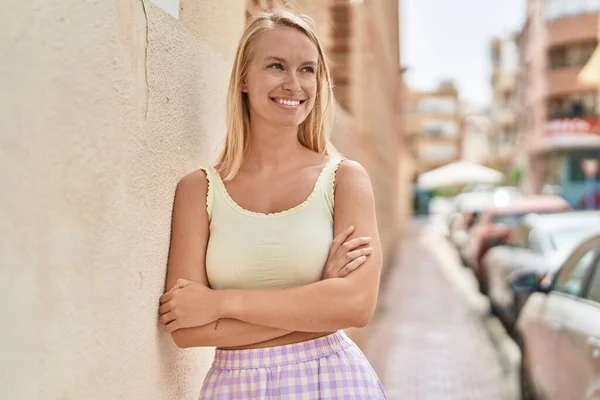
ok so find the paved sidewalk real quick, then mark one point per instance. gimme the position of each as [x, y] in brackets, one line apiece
[429, 341]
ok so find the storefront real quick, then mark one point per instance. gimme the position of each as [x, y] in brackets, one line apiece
[568, 164]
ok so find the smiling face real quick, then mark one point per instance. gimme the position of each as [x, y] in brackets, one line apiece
[281, 82]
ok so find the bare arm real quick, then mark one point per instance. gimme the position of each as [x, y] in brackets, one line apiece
[187, 254]
[330, 304]
[227, 333]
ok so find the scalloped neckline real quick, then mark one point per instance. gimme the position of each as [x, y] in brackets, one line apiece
[289, 211]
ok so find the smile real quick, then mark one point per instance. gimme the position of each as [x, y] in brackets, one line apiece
[288, 103]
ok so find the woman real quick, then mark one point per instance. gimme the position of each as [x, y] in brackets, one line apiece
[254, 268]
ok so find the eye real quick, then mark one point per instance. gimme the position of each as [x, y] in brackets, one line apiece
[310, 70]
[275, 66]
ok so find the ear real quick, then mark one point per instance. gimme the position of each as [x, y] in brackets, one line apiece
[244, 87]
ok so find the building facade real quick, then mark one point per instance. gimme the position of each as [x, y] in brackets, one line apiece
[432, 122]
[476, 137]
[502, 135]
[560, 112]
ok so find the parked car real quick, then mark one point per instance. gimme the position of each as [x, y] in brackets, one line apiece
[559, 330]
[496, 225]
[467, 207]
[538, 245]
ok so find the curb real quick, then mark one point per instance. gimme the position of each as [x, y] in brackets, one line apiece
[465, 284]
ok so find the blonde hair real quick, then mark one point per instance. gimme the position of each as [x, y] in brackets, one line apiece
[313, 132]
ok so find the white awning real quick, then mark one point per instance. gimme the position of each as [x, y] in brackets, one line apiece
[457, 174]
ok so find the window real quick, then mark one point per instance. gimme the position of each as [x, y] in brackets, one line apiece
[576, 105]
[439, 128]
[438, 105]
[567, 238]
[510, 220]
[576, 54]
[572, 278]
[557, 57]
[594, 289]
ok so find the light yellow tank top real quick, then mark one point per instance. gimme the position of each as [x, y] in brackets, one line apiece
[249, 250]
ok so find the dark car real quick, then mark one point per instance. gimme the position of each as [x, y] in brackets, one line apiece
[496, 224]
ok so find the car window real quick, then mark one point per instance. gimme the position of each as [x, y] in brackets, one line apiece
[510, 220]
[594, 289]
[572, 278]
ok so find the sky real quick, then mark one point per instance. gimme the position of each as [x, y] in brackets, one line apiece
[450, 39]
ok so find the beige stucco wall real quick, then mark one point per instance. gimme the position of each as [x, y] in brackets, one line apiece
[104, 105]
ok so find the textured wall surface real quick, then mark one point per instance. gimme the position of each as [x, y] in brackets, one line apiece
[104, 105]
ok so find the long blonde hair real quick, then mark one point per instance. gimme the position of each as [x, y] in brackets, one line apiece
[313, 132]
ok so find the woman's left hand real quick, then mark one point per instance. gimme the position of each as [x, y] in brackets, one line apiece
[188, 304]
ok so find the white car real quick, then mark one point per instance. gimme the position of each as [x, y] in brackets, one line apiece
[537, 246]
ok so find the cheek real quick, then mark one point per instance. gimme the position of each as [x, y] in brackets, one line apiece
[310, 87]
[262, 88]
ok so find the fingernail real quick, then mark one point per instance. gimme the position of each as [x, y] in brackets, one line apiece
[363, 258]
[352, 227]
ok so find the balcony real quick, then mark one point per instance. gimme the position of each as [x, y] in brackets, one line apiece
[571, 126]
[563, 81]
[570, 29]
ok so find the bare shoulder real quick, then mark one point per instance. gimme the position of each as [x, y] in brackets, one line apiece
[192, 187]
[352, 176]
[354, 200]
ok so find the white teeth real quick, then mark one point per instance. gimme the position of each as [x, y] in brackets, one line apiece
[291, 103]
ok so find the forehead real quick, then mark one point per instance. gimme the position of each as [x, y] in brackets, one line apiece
[287, 43]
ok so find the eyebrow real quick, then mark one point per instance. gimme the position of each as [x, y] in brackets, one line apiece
[283, 60]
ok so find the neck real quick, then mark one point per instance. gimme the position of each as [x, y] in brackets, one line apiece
[272, 147]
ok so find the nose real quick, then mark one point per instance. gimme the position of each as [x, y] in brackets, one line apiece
[291, 82]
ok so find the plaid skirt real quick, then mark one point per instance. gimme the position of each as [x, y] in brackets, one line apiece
[330, 367]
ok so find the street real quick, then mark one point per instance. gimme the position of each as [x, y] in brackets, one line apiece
[433, 337]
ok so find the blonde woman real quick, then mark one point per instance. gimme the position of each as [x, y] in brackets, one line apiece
[275, 250]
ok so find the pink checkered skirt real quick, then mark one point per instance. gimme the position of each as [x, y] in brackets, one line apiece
[330, 367]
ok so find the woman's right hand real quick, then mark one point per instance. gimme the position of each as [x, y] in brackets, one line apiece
[346, 255]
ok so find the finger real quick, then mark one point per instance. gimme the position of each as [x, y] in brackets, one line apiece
[167, 318]
[166, 297]
[165, 308]
[183, 283]
[365, 251]
[352, 266]
[180, 284]
[175, 286]
[353, 244]
[173, 326]
[339, 239]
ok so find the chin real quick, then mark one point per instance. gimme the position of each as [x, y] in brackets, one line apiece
[290, 123]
